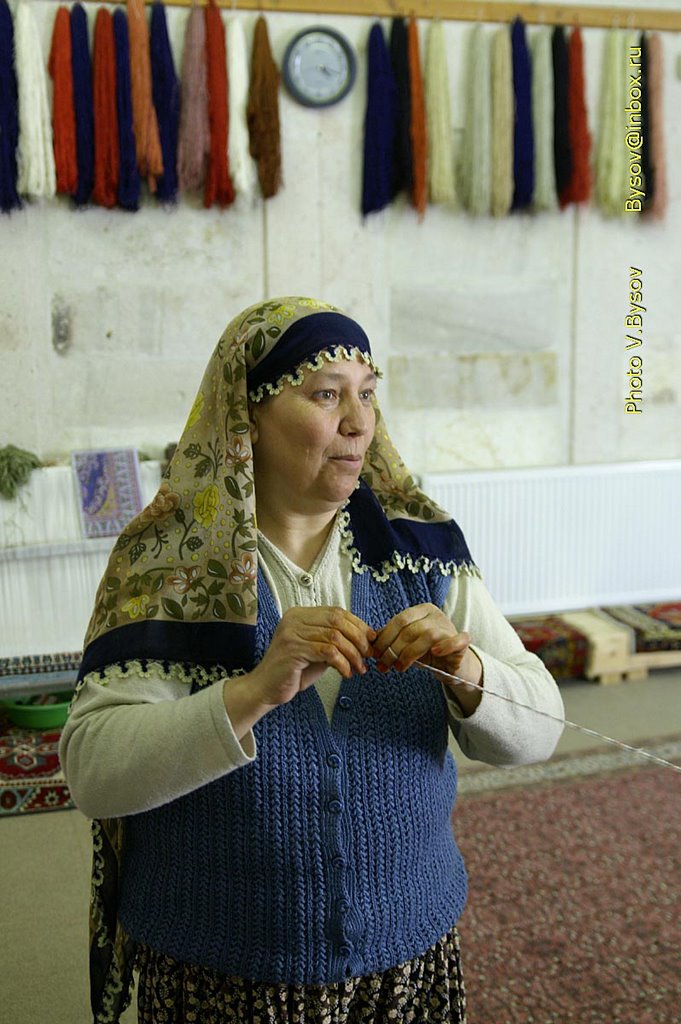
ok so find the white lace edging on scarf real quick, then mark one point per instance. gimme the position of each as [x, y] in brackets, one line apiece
[143, 668]
[297, 377]
[397, 561]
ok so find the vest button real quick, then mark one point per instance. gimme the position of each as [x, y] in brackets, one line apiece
[343, 906]
[306, 579]
[345, 949]
[345, 702]
[335, 806]
[333, 761]
[338, 861]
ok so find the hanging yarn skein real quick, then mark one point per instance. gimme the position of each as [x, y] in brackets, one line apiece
[476, 148]
[502, 123]
[441, 186]
[658, 206]
[9, 114]
[545, 197]
[107, 161]
[166, 94]
[128, 175]
[193, 151]
[241, 164]
[417, 122]
[647, 172]
[379, 125]
[523, 136]
[562, 153]
[578, 189]
[263, 112]
[403, 164]
[63, 114]
[147, 140]
[219, 186]
[35, 155]
[82, 102]
[611, 160]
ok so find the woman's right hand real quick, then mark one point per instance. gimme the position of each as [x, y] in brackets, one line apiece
[306, 642]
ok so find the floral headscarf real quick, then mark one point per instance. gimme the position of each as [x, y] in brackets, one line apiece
[191, 555]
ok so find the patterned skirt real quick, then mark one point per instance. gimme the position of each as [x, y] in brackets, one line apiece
[426, 990]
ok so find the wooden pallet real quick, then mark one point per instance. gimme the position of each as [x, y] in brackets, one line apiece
[612, 656]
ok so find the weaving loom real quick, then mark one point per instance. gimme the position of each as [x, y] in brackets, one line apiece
[49, 575]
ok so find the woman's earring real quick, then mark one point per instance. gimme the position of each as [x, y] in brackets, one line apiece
[253, 424]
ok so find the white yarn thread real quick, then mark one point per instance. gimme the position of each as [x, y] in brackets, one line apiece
[35, 155]
[611, 159]
[475, 161]
[441, 186]
[554, 718]
[502, 122]
[241, 164]
[545, 197]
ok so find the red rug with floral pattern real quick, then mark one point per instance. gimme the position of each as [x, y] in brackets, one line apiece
[574, 913]
[31, 778]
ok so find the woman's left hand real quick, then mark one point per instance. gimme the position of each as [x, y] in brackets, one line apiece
[424, 633]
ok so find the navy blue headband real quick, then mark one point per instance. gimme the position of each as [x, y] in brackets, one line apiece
[303, 340]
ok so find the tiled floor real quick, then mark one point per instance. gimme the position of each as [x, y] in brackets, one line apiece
[45, 862]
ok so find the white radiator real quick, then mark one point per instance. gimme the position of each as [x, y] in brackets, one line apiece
[554, 539]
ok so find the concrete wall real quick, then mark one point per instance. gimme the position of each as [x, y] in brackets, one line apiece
[503, 341]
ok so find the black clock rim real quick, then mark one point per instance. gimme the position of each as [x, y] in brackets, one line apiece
[352, 67]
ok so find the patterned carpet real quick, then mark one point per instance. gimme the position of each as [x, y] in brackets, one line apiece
[31, 778]
[657, 627]
[574, 914]
[563, 649]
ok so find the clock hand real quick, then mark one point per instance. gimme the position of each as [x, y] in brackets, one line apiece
[327, 71]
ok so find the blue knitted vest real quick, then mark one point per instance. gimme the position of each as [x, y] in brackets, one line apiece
[331, 854]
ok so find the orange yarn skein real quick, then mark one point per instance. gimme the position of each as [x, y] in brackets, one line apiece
[145, 123]
[578, 189]
[219, 186]
[263, 112]
[417, 127]
[107, 155]
[63, 112]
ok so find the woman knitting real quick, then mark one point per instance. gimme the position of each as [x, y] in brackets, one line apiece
[256, 734]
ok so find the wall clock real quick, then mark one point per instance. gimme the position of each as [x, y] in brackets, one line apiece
[319, 66]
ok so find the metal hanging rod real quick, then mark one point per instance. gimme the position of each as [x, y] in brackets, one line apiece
[465, 10]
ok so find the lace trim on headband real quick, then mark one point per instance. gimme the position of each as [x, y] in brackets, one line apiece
[397, 561]
[142, 668]
[297, 377]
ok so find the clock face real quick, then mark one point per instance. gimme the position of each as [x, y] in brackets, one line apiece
[319, 67]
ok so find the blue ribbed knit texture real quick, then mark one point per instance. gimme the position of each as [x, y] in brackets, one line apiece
[166, 90]
[82, 104]
[332, 854]
[9, 114]
[523, 138]
[129, 179]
